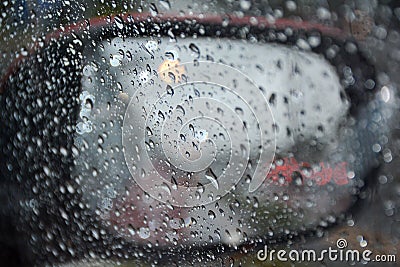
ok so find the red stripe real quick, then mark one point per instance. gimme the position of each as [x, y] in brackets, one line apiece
[323, 174]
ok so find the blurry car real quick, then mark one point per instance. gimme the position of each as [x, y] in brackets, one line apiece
[165, 138]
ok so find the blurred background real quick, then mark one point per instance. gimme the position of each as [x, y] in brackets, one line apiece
[374, 24]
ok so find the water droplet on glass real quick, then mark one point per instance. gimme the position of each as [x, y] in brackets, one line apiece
[211, 215]
[119, 22]
[144, 232]
[210, 175]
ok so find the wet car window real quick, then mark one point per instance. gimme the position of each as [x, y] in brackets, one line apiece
[175, 108]
[194, 133]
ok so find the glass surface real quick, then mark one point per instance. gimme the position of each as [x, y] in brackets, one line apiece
[186, 133]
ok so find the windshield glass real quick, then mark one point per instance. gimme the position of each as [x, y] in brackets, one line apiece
[183, 133]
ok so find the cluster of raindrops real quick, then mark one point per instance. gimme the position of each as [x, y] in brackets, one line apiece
[159, 146]
[201, 132]
[87, 103]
